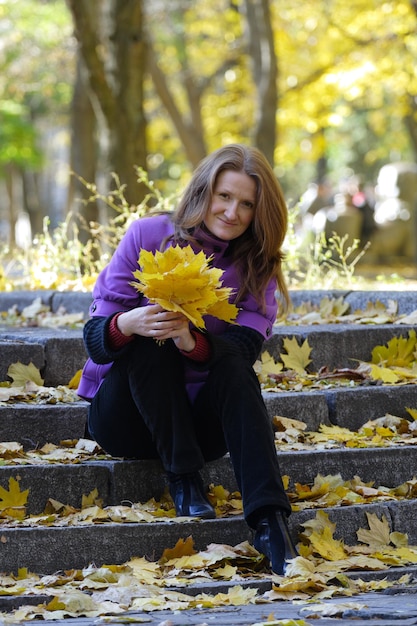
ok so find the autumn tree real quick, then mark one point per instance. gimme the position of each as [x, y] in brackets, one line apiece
[347, 83]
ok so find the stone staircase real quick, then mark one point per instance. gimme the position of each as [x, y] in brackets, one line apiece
[59, 353]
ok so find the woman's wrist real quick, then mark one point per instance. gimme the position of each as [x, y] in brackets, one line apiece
[117, 338]
[121, 321]
[201, 351]
[186, 342]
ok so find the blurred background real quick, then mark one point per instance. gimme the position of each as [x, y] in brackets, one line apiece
[326, 89]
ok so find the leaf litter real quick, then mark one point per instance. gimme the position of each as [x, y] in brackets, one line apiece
[38, 314]
[393, 364]
[318, 573]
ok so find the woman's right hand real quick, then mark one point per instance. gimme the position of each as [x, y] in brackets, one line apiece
[151, 321]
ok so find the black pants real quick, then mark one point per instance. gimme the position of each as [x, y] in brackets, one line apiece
[142, 411]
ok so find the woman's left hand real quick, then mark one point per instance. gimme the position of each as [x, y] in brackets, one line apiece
[182, 336]
[175, 326]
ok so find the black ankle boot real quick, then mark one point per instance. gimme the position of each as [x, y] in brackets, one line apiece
[272, 538]
[187, 492]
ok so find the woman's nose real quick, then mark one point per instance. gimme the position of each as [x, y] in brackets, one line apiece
[231, 210]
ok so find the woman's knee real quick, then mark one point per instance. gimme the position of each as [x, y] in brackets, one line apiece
[233, 368]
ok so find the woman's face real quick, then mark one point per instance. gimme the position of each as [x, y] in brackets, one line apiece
[232, 207]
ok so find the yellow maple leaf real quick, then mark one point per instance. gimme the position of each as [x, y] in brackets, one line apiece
[409, 320]
[181, 280]
[377, 372]
[378, 534]
[326, 546]
[336, 433]
[297, 357]
[227, 572]
[407, 555]
[10, 449]
[266, 365]
[318, 524]
[75, 380]
[330, 307]
[13, 497]
[181, 548]
[21, 374]
[412, 412]
[399, 351]
[91, 499]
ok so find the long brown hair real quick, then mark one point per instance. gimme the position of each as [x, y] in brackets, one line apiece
[257, 253]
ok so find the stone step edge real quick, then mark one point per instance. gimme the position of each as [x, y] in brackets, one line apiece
[121, 481]
[332, 346]
[340, 405]
[347, 519]
[79, 301]
[263, 585]
[54, 541]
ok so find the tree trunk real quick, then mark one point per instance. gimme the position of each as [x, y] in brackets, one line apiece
[83, 159]
[110, 36]
[9, 171]
[31, 199]
[410, 122]
[265, 71]
[190, 133]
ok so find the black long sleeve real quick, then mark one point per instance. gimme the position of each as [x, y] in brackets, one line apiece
[237, 340]
[96, 340]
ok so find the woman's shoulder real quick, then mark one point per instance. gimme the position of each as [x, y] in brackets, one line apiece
[152, 221]
[149, 230]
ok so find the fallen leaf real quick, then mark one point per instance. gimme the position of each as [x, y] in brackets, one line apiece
[297, 357]
[21, 374]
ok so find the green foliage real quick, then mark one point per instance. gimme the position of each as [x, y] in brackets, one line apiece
[17, 137]
[34, 69]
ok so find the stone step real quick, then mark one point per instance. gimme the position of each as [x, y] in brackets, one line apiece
[347, 407]
[120, 481]
[336, 345]
[60, 353]
[79, 302]
[57, 353]
[33, 425]
[46, 549]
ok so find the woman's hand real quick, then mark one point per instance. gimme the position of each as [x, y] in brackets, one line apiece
[153, 321]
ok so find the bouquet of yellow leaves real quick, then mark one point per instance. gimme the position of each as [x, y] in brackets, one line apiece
[181, 280]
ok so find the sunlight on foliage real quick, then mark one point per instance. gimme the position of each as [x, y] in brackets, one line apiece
[323, 262]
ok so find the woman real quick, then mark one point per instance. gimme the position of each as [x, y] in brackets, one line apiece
[193, 396]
